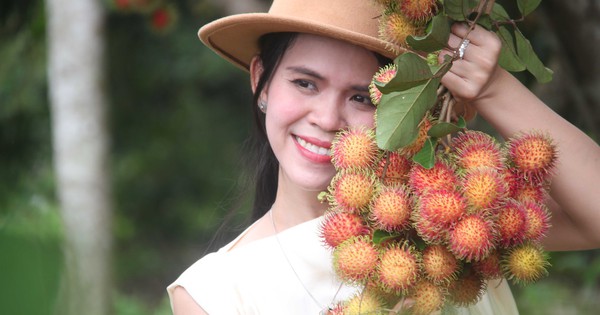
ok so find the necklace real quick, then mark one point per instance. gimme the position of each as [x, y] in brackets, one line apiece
[324, 309]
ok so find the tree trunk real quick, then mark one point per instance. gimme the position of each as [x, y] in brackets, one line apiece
[75, 32]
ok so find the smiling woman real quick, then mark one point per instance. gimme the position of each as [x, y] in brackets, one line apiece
[310, 64]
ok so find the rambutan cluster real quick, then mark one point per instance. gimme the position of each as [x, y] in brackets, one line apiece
[402, 18]
[399, 230]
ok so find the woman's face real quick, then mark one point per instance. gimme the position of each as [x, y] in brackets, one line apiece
[319, 88]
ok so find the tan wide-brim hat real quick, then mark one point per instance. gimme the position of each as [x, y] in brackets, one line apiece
[235, 37]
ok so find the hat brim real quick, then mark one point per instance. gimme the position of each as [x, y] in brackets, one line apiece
[235, 37]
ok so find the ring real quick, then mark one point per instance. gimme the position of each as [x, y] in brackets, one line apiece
[462, 48]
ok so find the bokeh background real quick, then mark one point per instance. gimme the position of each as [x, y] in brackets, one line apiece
[177, 118]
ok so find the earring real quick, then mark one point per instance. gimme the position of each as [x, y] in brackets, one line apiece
[262, 105]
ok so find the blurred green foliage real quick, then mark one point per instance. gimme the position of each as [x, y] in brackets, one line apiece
[178, 118]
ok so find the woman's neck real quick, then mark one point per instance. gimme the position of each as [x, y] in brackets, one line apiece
[295, 206]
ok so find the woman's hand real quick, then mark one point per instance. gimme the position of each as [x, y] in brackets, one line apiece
[469, 78]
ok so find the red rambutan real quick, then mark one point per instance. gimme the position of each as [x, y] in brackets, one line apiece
[484, 187]
[340, 226]
[355, 259]
[442, 207]
[419, 141]
[419, 10]
[428, 298]
[472, 238]
[439, 264]
[384, 75]
[538, 220]
[467, 289]
[489, 268]
[391, 209]
[398, 269]
[440, 176]
[533, 154]
[351, 190]
[511, 223]
[395, 28]
[476, 149]
[393, 169]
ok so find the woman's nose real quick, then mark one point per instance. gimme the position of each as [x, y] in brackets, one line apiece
[329, 115]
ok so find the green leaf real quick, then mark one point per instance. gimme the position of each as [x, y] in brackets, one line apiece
[499, 13]
[436, 37]
[412, 70]
[426, 156]
[459, 10]
[509, 59]
[531, 60]
[527, 6]
[380, 236]
[399, 114]
[445, 128]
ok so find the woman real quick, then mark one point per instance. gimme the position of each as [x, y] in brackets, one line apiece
[310, 65]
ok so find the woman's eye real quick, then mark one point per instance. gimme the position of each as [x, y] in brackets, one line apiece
[304, 84]
[362, 99]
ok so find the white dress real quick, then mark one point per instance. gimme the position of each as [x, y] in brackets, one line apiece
[257, 279]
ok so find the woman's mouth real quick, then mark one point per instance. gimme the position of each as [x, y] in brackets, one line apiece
[313, 147]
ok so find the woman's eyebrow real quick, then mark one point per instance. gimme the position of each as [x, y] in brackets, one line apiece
[306, 71]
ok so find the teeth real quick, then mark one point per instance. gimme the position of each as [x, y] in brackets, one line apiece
[313, 148]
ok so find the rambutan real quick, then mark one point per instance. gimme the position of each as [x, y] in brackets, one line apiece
[472, 238]
[355, 259]
[428, 231]
[529, 191]
[511, 223]
[399, 268]
[428, 298]
[533, 154]
[419, 141]
[442, 207]
[393, 169]
[440, 176]
[340, 226]
[525, 263]
[365, 302]
[538, 220]
[354, 147]
[489, 268]
[467, 289]
[391, 209]
[395, 28]
[384, 75]
[352, 189]
[439, 264]
[484, 187]
[419, 11]
[476, 149]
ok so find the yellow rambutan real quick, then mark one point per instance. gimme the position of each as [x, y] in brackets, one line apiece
[393, 169]
[533, 154]
[525, 263]
[384, 75]
[363, 303]
[391, 209]
[428, 298]
[511, 223]
[340, 226]
[355, 259]
[484, 187]
[351, 190]
[472, 238]
[395, 28]
[440, 176]
[398, 268]
[354, 147]
[439, 264]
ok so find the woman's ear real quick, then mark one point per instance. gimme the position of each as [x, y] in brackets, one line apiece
[256, 70]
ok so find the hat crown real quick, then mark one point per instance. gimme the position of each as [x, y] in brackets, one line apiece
[360, 16]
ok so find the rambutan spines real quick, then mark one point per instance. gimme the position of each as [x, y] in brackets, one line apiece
[340, 226]
[489, 268]
[525, 263]
[474, 149]
[472, 238]
[511, 223]
[533, 154]
[391, 208]
[355, 259]
[395, 28]
[365, 302]
[538, 220]
[467, 289]
[428, 298]
[398, 269]
[383, 76]
[393, 169]
[484, 188]
[354, 148]
[441, 176]
[439, 264]
[441, 207]
[352, 189]
[419, 11]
